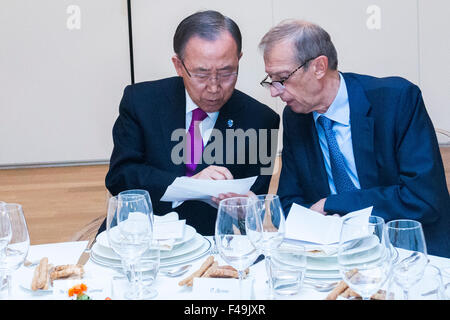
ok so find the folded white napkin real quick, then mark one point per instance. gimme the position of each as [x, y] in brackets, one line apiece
[167, 229]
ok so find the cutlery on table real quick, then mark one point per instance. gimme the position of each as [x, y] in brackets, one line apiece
[84, 257]
[175, 272]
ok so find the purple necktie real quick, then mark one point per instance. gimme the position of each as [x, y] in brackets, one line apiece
[194, 141]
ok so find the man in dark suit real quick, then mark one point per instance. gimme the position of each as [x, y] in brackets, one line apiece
[203, 103]
[353, 141]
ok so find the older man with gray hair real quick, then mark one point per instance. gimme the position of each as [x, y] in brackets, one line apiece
[352, 141]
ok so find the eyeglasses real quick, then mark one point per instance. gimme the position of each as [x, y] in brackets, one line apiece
[279, 84]
[220, 77]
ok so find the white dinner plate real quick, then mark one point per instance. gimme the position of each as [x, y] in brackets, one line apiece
[189, 233]
[202, 250]
[180, 250]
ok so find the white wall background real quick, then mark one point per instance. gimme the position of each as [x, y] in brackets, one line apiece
[60, 86]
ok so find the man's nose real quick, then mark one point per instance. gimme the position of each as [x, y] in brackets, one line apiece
[274, 92]
[212, 85]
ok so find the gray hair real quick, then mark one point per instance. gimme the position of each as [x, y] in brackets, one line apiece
[207, 25]
[310, 41]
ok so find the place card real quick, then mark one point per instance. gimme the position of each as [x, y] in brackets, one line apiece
[222, 289]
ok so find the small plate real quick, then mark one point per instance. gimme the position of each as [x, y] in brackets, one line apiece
[24, 281]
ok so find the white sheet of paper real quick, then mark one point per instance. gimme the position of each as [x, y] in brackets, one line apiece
[307, 225]
[186, 188]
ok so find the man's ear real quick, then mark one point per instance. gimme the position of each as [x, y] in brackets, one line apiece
[240, 56]
[320, 65]
[177, 64]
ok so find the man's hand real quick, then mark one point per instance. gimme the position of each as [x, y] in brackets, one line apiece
[214, 173]
[319, 206]
[231, 195]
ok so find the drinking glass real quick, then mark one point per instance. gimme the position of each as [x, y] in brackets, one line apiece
[238, 233]
[271, 213]
[287, 269]
[5, 237]
[13, 255]
[364, 255]
[129, 231]
[407, 237]
[147, 198]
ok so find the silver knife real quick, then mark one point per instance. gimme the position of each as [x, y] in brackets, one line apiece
[84, 257]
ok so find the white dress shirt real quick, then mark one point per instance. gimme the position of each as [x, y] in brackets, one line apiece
[206, 126]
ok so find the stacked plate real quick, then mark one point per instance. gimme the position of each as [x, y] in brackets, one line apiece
[188, 248]
[322, 262]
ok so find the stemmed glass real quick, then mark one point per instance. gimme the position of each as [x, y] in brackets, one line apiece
[238, 233]
[148, 264]
[364, 255]
[5, 237]
[147, 198]
[129, 231]
[269, 209]
[13, 255]
[407, 237]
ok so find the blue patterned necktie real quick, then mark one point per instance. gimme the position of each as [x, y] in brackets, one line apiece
[341, 179]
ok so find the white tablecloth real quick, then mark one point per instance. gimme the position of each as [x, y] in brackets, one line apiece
[168, 288]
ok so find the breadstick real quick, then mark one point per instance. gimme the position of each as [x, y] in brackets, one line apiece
[224, 273]
[189, 280]
[210, 269]
[341, 287]
[43, 269]
[34, 285]
[380, 295]
[66, 271]
[234, 269]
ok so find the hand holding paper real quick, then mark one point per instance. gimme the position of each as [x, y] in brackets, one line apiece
[185, 188]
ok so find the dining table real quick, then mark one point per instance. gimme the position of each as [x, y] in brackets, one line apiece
[109, 283]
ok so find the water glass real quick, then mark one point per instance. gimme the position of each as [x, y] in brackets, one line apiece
[407, 237]
[148, 268]
[287, 269]
[428, 287]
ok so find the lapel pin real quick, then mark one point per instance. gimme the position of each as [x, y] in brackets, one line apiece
[230, 123]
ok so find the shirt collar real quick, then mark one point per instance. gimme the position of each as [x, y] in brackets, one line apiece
[339, 110]
[191, 106]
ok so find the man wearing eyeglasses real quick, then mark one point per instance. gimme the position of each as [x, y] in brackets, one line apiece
[353, 141]
[200, 100]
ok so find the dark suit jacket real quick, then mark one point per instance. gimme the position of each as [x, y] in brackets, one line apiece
[141, 158]
[396, 153]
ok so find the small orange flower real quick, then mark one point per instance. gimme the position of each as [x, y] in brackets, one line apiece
[77, 289]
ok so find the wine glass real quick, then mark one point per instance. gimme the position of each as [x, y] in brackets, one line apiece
[238, 233]
[5, 237]
[129, 231]
[13, 255]
[407, 237]
[147, 198]
[364, 255]
[269, 209]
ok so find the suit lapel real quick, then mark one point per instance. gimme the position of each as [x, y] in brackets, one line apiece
[315, 158]
[173, 115]
[362, 129]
